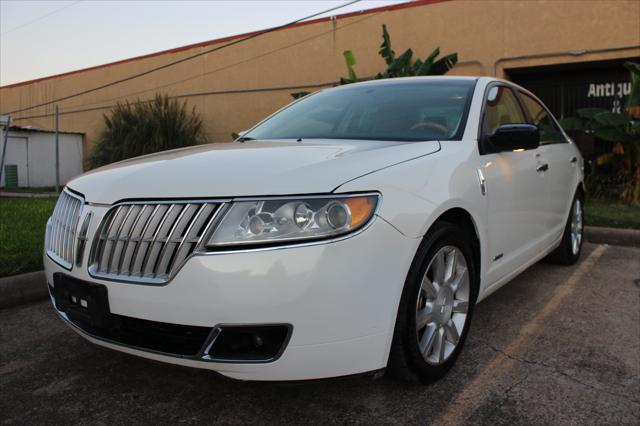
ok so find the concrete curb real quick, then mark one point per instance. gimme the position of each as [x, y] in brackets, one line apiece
[8, 194]
[19, 289]
[613, 236]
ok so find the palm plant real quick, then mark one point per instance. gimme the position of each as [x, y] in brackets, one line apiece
[138, 128]
[397, 66]
[403, 65]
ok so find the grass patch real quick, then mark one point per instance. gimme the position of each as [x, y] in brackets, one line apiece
[599, 213]
[22, 225]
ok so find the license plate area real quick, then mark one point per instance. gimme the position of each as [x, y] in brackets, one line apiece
[82, 301]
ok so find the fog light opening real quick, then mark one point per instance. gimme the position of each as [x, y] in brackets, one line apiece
[258, 343]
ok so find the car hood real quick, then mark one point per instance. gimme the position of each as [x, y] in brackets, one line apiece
[252, 168]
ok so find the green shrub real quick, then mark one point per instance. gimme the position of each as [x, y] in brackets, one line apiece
[139, 128]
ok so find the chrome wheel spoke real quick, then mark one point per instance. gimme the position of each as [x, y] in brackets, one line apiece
[424, 317]
[439, 268]
[451, 264]
[458, 279]
[439, 344]
[451, 332]
[426, 342]
[429, 287]
[460, 306]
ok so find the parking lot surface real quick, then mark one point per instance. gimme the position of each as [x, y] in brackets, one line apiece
[558, 345]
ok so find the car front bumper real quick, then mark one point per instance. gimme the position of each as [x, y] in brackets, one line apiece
[340, 299]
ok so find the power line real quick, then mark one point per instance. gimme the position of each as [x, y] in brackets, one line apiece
[60, 9]
[192, 95]
[215, 70]
[179, 61]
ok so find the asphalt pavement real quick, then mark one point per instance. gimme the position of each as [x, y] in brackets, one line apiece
[557, 345]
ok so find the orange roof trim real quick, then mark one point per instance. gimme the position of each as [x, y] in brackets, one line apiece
[230, 38]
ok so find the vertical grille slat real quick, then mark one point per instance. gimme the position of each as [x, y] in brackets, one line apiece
[174, 238]
[61, 241]
[130, 235]
[148, 241]
[134, 257]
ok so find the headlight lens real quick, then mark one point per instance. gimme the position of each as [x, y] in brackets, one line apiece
[286, 220]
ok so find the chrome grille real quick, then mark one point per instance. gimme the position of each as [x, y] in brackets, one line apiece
[62, 227]
[148, 242]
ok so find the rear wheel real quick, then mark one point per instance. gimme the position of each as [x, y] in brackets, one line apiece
[568, 252]
[435, 308]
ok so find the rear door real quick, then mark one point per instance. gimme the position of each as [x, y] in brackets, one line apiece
[517, 194]
[562, 162]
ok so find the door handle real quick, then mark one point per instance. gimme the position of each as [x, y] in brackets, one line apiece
[542, 168]
[574, 160]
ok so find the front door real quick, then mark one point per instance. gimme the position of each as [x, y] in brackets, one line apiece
[516, 190]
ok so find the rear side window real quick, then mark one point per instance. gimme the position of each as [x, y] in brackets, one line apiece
[549, 131]
[502, 107]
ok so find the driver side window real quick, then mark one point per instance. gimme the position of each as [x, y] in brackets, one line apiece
[501, 107]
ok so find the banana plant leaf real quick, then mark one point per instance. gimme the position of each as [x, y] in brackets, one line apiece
[443, 65]
[589, 113]
[350, 61]
[608, 118]
[386, 51]
[634, 97]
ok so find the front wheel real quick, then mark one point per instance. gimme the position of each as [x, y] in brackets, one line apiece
[435, 307]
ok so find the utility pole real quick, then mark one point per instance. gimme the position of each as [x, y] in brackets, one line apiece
[5, 120]
[57, 151]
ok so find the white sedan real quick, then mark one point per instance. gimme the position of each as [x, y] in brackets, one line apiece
[352, 231]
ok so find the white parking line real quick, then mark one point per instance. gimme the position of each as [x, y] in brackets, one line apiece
[473, 392]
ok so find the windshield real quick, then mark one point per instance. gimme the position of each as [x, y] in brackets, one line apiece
[391, 111]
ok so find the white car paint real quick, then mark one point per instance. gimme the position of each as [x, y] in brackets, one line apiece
[340, 296]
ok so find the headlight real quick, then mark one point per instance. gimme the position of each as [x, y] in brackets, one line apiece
[286, 220]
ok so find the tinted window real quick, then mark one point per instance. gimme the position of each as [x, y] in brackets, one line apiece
[539, 116]
[501, 107]
[397, 111]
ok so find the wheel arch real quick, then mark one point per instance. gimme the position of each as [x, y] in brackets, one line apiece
[462, 219]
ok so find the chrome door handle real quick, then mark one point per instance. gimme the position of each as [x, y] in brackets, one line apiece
[574, 160]
[542, 168]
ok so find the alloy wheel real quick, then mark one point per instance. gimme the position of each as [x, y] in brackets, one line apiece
[576, 227]
[442, 305]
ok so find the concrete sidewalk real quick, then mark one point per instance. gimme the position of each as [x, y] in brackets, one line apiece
[9, 194]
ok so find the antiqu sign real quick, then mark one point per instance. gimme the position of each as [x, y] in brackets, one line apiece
[616, 90]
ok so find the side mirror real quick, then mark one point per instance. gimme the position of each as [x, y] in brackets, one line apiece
[509, 137]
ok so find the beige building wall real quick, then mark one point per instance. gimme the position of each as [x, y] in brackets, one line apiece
[483, 33]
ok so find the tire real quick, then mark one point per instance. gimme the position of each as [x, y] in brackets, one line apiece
[415, 354]
[568, 252]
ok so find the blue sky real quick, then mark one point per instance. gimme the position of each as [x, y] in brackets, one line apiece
[41, 38]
